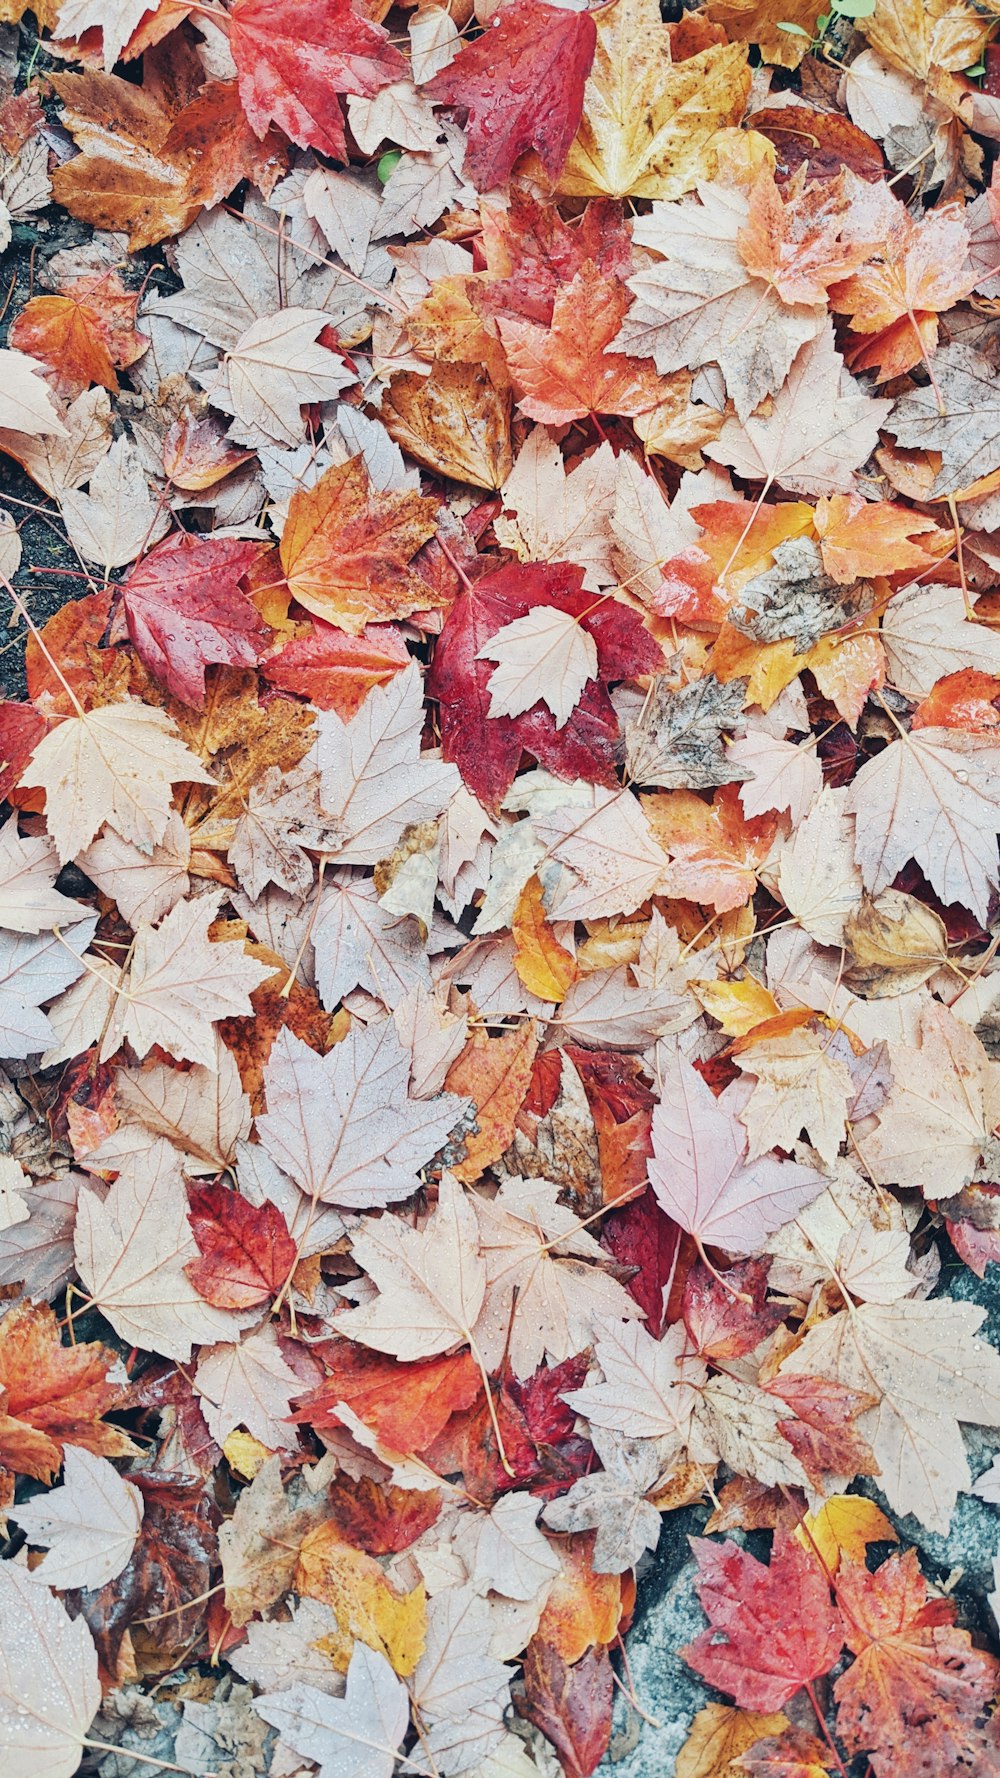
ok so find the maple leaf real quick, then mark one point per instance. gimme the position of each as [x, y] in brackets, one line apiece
[494, 1073]
[702, 1177]
[546, 656]
[114, 765]
[966, 431]
[566, 371]
[184, 609]
[49, 1690]
[113, 522]
[921, 268]
[431, 1281]
[860, 538]
[26, 404]
[342, 1126]
[559, 515]
[534, 98]
[916, 1681]
[929, 1372]
[356, 1736]
[152, 156]
[247, 1384]
[291, 55]
[927, 636]
[570, 1704]
[29, 898]
[819, 429]
[345, 549]
[131, 1249]
[488, 749]
[942, 1106]
[678, 741]
[801, 1084]
[246, 1251]
[53, 1395]
[648, 1387]
[460, 1688]
[719, 1734]
[406, 1405]
[648, 123]
[367, 1605]
[334, 669]
[613, 1503]
[932, 796]
[780, 1629]
[89, 1524]
[75, 333]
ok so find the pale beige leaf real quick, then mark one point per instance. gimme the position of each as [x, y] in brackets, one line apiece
[871, 1264]
[820, 427]
[398, 114]
[25, 402]
[431, 1281]
[118, 517]
[68, 459]
[612, 862]
[649, 1386]
[89, 1525]
[818, 880]
[504, 1551]
[248, 1384]
[145, 887]
[49, 1688]
[276, 367]
[737, 1424]
[375, 779]
[613, 1503]
[560, 516]
[115, 764]
[351, 1737]
[29, 900]
[201, 1110]
[943, 1105]
[546, 657]
[923, 1360]
[131, 1249]
[800, 1085]
[780, 775]
[13, 1184]
[927, 635]
[342, 1125]
[933, 795]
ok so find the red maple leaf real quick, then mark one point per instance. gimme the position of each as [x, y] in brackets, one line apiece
[729, 1322]
[246, 1250]
[184, 609]
[336, 671]
[917, 1695]
[487, 750]
[773, 1629]
[405, 1405]
[642, 1235]
[531, 253]
[294, 56]
[570, 1704]
[521, 86]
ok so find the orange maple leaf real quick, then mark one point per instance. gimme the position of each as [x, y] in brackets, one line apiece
[565, 371]
[84, 335]
[53, 1395]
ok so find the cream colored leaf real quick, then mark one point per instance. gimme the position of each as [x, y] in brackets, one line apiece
[131, 1249]
[612, 862]
[933, 796]
[818, 880]
[248, 1384]
[805, 1249]
[434, 42]
[546, 657]
[346, 210]
[459, 1687]
[871, 1264]
[89, 1525]
[820, 427]
[649, 1386]
[276, 367]
[13, 1182]
[115, 765]
[179, 983]
[431, 1281]
[560, 516]
[398, 113]
[342, 1126]
[613, 1503]
[360, 944]
[356, 1736]
[279, 1654]
[923, 1360]
[145, 886]
[927, 635]
[29, 901]
[66, 460]
[780, 775]
[547, 1288]
[25, 402]
[800, 1085]
[504, 1551]
[49, 1687]
[943, 1105]
[375, 779]
[700, 306]
[115, 19]
[737, 1424]
[118, 517]
[201, 1110]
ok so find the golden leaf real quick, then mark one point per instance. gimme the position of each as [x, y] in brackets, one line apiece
[456, 421]
[366, 1606]
[844, 1526]
[544, 966]
[648, 124]
[719, 1734]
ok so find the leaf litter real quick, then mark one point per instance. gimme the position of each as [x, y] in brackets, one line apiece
[499, 884]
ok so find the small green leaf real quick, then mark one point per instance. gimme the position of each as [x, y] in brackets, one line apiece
[794, 30]
[980, 68]
[391, 159]
[853, 9]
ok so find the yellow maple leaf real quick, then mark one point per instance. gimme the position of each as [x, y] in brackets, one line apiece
[844, 1526]
[719, 1734]
[651, 126]
[365, 1604]
[545, 967]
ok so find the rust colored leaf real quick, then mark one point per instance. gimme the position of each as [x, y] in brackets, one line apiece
[571, 1705]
